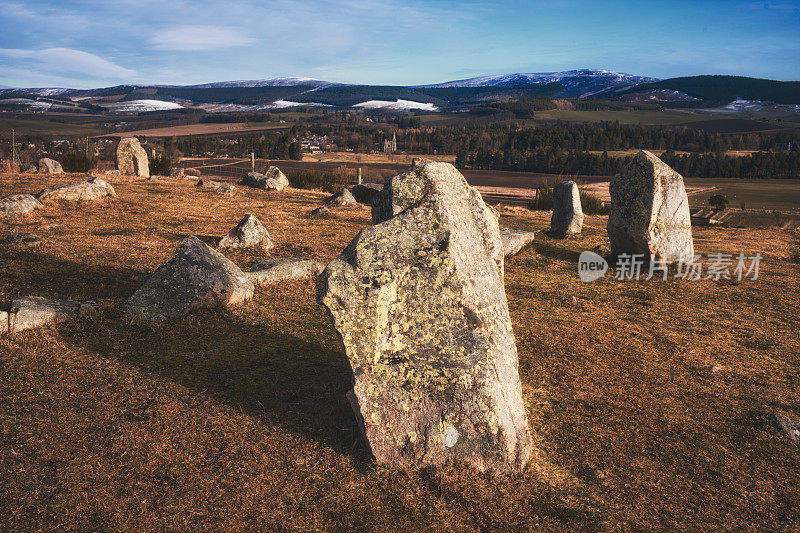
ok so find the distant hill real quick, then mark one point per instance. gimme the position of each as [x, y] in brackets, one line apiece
[721, 90]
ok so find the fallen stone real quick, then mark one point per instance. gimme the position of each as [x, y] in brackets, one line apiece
[343, 197]
[567, 218]
[789, 425]
[419, 303]
[226, 189]
[515, 240]
[207, 183]
[248, 233]
[268, 271]
[650, 211]
[32, 312]
[22, 240]
[274, 179]
[196, 277]
[364, 193]
[18, 204]
[50, 166]
[131, 158]
[322, 212]
[89, 190]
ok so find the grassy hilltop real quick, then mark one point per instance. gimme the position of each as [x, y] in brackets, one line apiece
[237, 419]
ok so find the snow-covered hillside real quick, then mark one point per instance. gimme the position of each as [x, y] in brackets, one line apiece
[398, 105]
[134, 106]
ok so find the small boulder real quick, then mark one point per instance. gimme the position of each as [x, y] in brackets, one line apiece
[226, 189]
[131, 158]
[18, 204]
[50, 166]
[207, 183]
[195, 277]
[114, 172]
[248, 233]
[276, 180]
[253, 179]
[515, 240]
[787, 424]
[365, 193]
[32, 311]
[567, 218]
[89, 190]
[650, 211]
[22, 240]
[343, 197]
[268, 271]
[322, 212]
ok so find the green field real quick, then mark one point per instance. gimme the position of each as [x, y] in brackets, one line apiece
[772, 195]
[46, 128]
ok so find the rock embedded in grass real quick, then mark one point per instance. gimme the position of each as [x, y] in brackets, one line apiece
[248, 233]
[84, 191]
[343, 197]
[196, 277]
[22, 240]
[132, 158]
[226, 189]
[567, 218]
[650, 211]
[515, 240]
[273, 270]
[322, 212]
[789, 425]
[207, 183]
[18, 204]
[418, 300]
[274, 179]
[31, 312]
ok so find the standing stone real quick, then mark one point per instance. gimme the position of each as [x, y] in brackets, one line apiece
[567, 216]
[50, 166]
[418, 300]
[195, 277]
[131, 158]
[650, 211]
[18, 204]
[248, 233]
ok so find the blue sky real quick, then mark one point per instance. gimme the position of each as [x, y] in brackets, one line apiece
[92, 43]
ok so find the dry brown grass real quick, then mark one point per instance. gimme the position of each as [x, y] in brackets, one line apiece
[237, 420]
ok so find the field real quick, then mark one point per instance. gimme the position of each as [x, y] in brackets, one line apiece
[237, 419]
[46, 128]
[205, 129]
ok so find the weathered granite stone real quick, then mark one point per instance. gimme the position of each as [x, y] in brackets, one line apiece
[322, 212]
[114, 172]
[567, 218]
[650, 211]
[18, 204]
[226, 189]
[365, 193]
[248, 233]
[343, 197]
[22, 240]
[195, 277]
[131, 158]
[272, 270]
[515, 240]
[788, 424]
[207, 183]
[32, 311]
[50, 166]
[418, 300]
[87, 191]
[274, 179]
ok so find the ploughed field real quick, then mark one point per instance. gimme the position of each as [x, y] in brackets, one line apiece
[238, 419]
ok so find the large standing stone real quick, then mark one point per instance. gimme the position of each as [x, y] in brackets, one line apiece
[567, 216]
[86, 191]
[248, 233]
[50, 166]
[131, 158]
[418, 300]
[650, 211]
[195, 277]
[18, 204]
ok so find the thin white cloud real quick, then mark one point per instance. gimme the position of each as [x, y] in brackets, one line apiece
[56, 62]
[196, 38]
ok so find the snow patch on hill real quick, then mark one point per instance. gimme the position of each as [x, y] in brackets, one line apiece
[398, 105]
[142, 105]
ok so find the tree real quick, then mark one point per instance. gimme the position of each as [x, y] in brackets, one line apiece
[295, 152]
[718, 202]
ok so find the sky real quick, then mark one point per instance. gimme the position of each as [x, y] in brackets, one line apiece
[90, 43]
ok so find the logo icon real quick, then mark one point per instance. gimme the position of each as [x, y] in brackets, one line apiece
[591, 266]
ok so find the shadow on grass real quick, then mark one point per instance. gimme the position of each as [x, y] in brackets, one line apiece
[267, 373]
[554, 251]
